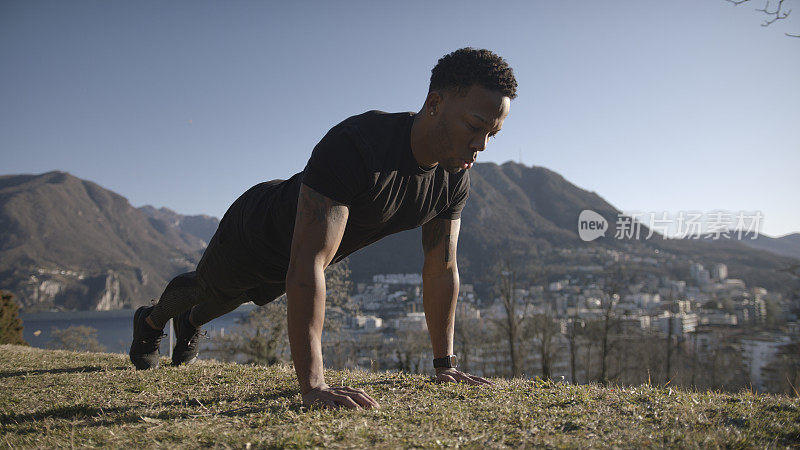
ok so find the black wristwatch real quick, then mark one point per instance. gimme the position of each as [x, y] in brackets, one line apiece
[447, 362]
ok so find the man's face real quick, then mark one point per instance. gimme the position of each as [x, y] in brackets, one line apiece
[466, 123]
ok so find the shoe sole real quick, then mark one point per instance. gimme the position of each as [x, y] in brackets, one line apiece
[178, 363]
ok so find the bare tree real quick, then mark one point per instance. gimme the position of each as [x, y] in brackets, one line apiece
[337, 292]
[545, 331]
[784, 369]
[773, 10]
[616, 281]
[723, 366]
[575, 329]
[515, 310]
[469, 335]
[669, 344]
[339, 343]
[509, 274]
[409, 348]
[260, 339]
[510, 271]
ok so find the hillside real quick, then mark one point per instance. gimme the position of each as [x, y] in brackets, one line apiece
[513, 207]
[71, 244]
[63, 399]
[788, 245]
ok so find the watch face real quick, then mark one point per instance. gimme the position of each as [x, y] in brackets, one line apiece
[453, 361]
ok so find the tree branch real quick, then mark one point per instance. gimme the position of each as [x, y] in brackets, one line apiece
[772, 16]
[778, 14]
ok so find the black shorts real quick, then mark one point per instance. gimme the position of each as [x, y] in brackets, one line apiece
[229, 269]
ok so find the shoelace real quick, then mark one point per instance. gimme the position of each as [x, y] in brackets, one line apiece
[193, 340]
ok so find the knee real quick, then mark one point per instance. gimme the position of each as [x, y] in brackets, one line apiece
[184, 280]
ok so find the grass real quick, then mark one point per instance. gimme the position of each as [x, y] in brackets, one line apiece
[65, 399]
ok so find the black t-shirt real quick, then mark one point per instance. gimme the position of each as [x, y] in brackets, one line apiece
[365, 162]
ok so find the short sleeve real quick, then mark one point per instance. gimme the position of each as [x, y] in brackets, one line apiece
[336, 168]
[460, 196]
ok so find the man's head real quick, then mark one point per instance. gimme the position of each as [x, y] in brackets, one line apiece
[468, 99]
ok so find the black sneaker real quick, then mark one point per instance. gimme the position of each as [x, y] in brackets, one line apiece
[186, 337]
[146, 341]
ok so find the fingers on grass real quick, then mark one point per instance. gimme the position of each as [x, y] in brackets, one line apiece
[478, 380]
[344, 400]
[361, 397]
[366, 401]
[470, 381]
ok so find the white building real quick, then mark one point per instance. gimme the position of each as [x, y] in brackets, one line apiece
[719, 272]
[643, 300]
[682, 323]
[695, 269]
[411, 322]
[368, 322]
[719, 318]
[735, 284]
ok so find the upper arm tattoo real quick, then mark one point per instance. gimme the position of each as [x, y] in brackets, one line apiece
[319, 225]
[317, 208]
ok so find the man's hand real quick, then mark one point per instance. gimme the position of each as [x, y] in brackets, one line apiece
[335, 397]
[456, 376]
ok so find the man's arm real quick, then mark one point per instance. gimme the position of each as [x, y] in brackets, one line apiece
[318, 229]
[440, 292]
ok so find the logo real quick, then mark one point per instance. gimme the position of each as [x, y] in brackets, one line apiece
[714, 225]
[591, 225]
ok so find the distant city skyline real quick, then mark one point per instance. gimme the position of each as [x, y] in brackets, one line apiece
[680, 106]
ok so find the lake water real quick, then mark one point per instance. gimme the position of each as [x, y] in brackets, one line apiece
[114, 328]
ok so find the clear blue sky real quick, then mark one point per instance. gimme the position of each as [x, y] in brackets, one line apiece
[654, 105]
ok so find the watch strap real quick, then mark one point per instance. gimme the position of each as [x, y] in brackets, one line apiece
[447, 362]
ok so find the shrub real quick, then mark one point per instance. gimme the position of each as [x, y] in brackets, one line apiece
[10, 323]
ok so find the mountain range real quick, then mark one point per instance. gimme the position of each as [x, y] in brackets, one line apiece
[516, 208]
[70, 244]
[788, 245]
[67, 243]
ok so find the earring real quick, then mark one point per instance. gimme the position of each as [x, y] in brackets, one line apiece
[433, 113]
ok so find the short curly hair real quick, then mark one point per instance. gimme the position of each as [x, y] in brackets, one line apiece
[466, 66]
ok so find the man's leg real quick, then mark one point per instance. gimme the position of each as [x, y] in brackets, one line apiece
[183, 292]
[226, 271]
[261, 295]
[206, 312]
[219, 283]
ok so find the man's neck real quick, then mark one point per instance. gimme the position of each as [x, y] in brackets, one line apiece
[421, 145]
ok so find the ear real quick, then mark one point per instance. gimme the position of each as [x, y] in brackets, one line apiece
[433, 103]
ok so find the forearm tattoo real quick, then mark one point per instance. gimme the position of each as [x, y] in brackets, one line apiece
[437, 232]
